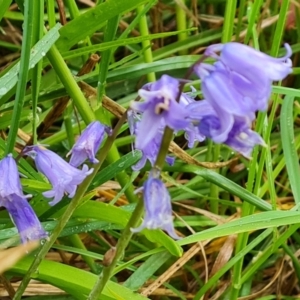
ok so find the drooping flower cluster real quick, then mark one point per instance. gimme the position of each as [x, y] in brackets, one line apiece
[13, 199]
[235, 87]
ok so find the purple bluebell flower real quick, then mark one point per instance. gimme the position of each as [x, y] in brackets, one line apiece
[192, 133]
[63, 177]
[13, 199]
[88, 144]
[158, 208]
[251, 63]
[240, 81]
[150, 150]
[234, 131]
[231, 92]
[159, 109]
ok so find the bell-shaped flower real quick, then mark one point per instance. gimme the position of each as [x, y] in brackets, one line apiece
[231, 91]
[13, 199]
[88, 144]
[218, 122]
[242, 139]
[240, 81]
[192, 133]
[158, 208]
[250, 63]
[63, 177]
[221, 127]
[24, 218]
[150, 150]
[159, 109]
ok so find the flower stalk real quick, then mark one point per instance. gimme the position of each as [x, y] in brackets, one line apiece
[69, 210]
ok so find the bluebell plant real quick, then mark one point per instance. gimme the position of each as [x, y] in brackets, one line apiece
[235, 87]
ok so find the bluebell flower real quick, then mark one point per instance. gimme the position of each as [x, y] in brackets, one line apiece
[192, 133]
[150, 150]
[236, 132]
[63, 177]
[158, 208]
[88, 144]
[240, 81]
[250, 63]
[159, 109]
[13, 199]
[231, 92]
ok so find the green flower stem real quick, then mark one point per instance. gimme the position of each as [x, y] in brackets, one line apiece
[38, 25]
[181, 24]
[241, 11]
[148, 58]
[29, 9]
[68, 126]
[214, 190]
[265, 157]
[109, 35]
[76, 201]
[70, 84]
[164, 147]
[72, 6]
[50, 4]
[229, 20]
[122, 244]
[247, 209]
[77, 242]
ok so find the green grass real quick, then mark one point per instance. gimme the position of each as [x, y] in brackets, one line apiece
[251, 204]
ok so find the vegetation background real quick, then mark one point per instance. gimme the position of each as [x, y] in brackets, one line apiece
[239, 218]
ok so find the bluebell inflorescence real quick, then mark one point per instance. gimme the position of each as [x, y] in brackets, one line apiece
[235, 87]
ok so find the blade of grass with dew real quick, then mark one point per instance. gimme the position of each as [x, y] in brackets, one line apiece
[9, 79]
[288, 145]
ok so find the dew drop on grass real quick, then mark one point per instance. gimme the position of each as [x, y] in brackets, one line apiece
[3, 91]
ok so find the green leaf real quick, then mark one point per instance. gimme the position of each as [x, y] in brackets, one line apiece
[9, 80]
[116, 215]
[246, 224]
[146, 270]
[4, 5]
[93, 20]
[74, 281]
[102, 211]
[288, 145]
[117, 43]
[113, 169]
